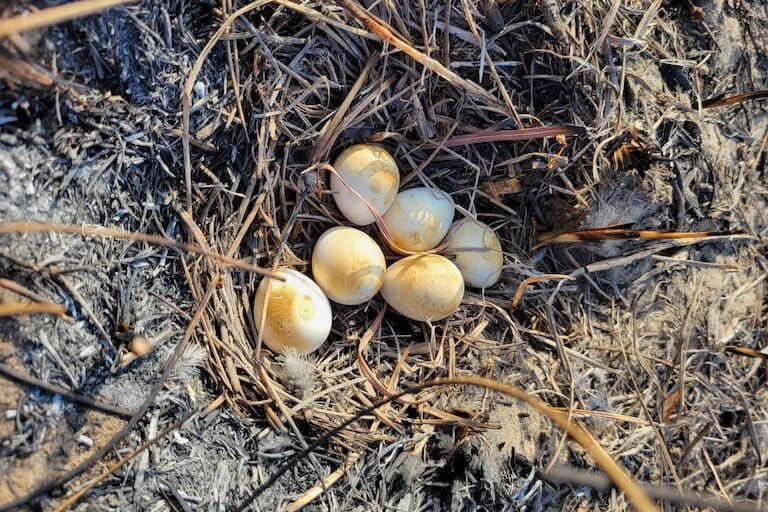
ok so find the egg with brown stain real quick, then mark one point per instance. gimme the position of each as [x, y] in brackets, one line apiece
[348, 265]
[298, 314]
[419, 218]
[371, 171]
[423, 287]
[476, 250]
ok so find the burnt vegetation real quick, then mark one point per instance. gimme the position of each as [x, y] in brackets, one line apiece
[632, 298]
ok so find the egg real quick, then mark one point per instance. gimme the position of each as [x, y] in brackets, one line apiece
[371, 172]
[419, 218]
[348, 265]
[298, 316]
[480, 268]
[424, 287]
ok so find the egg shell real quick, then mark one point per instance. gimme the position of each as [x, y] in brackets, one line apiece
[348, 265]
[419, 218]
[481, 268]
[372, 172]
[298, 313]
[423, 287]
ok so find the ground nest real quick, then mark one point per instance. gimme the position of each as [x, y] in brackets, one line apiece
[605, 144]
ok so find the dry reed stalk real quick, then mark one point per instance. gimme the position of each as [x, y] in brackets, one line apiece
[312, 493]
[54, 15]
[621, 233]
[107, 232]
[22, 291]
[32, 309]
[510, 135]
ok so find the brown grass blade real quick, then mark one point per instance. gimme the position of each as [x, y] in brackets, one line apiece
[332, 130]
[31, 309]
[540, 132]
[21, 290]
[54, 15]
[620, 233]
[746, 351]
[722, 100]
[531, 280]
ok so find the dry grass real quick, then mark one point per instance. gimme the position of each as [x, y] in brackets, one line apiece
[518, 120]
[399, 103]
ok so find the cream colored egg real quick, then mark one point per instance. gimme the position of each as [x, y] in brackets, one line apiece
[419, 218]
[371, 172]
[348, 265]
[298, 315]
[480, 268]
[424, 287]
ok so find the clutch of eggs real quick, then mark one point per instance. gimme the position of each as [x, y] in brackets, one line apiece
[349, 267]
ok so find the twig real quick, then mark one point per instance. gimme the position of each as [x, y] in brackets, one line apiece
[745, 351]
[28, 380]
[32, 308]
[21, 290]
[621, 233]
[722, 100]
[602, 483]
[310, 494]
[24, 71]
[101, 231]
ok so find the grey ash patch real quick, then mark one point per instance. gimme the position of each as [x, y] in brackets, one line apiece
[100, 160]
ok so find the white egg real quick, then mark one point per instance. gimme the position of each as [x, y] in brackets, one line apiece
[480, 268]
[371, 172]
[419, 218]
[348, 265]
[298, 316]
[424, 287]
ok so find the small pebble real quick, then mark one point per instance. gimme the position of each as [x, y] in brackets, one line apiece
[139, 346]
[88, 351]
[85, 440]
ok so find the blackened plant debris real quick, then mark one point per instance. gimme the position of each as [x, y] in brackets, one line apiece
[722, 100]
